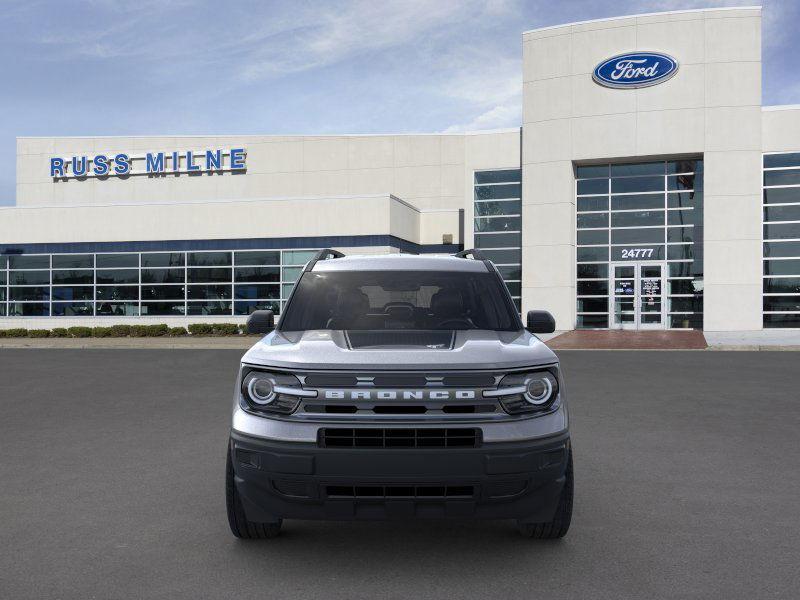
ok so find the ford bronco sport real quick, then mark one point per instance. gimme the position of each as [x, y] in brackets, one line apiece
[399, 386]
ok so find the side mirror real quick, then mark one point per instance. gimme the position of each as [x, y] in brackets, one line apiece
[540, 321]
[261, 321]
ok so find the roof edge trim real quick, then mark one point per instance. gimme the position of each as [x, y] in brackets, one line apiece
[781, 107]
[267, 135]
[652, 14]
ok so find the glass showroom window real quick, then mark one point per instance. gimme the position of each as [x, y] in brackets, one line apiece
[3, 285]
[781, 300]
[129, 284]
[257, 277]
[72, 289]
[117, 285]
[28, 288]
[498, 224]
[639, 213]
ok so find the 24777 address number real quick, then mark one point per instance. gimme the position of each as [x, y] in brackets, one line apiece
[637, 252]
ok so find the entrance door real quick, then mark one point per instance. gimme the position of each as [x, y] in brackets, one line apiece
[637, 295]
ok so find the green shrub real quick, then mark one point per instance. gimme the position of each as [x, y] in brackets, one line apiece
[225, 329]
[157, 330]
[101, 332]
[80, 332]
[214, 329]
[17, 332]
[201, 329]
[120, 330]
[242, 328]
[149, 330]
[138, 331]
[59, 332]
[2, 333]
[38, 333]
[177, 331]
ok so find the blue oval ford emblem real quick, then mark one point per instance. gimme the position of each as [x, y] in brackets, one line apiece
[635, 70]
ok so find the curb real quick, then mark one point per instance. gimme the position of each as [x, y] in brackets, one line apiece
[715, 348]
[754, 348]
[628, 349]
[245, 342]
[200, 343]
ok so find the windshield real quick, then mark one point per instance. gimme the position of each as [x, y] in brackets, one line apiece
[379, 300]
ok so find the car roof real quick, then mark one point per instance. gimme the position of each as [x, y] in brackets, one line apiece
[400, 262]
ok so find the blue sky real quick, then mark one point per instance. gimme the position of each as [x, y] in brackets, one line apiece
[151, 67]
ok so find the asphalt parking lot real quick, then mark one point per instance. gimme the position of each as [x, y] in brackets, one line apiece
[687, 470]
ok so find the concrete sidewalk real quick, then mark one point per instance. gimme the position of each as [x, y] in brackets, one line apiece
[242, 342]
[765, 339]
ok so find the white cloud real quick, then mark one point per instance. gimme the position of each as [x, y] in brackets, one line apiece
[340, 32]
[106, 29]
[786, 94]
[490, 91]
[497, 117]
[779, 19]
[457, 63]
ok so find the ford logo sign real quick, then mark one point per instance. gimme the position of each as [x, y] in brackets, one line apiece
[635, 70]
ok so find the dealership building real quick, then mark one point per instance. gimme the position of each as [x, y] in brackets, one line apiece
[646, 188]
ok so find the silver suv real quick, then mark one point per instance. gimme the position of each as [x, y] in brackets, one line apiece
[399, 387]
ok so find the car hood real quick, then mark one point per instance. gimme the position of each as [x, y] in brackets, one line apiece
[332, 349]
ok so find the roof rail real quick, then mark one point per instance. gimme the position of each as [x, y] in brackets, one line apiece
[323, 254]
[474, 252]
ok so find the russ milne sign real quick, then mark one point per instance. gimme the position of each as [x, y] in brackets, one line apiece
[151, 163]
[635, 70]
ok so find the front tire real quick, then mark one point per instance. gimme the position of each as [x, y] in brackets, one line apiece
[558, 527]
[240, 526]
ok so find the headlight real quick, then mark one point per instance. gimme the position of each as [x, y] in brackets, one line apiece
[535, 391]
[260, 389]
[271, 392]
[539, 388]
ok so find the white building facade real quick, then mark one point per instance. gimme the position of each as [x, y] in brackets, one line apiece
[647, 188]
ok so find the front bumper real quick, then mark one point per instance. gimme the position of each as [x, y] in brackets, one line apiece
[511, 480]
[492, 431]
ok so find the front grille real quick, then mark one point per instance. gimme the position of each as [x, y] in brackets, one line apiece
[477, 380]
[399, 438]
[399, 409]
[400, 491]
[379, 397]
[399, 380]
[330, 380]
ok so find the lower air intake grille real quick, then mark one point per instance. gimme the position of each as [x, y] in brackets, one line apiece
[399, 438]
[399, 491]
